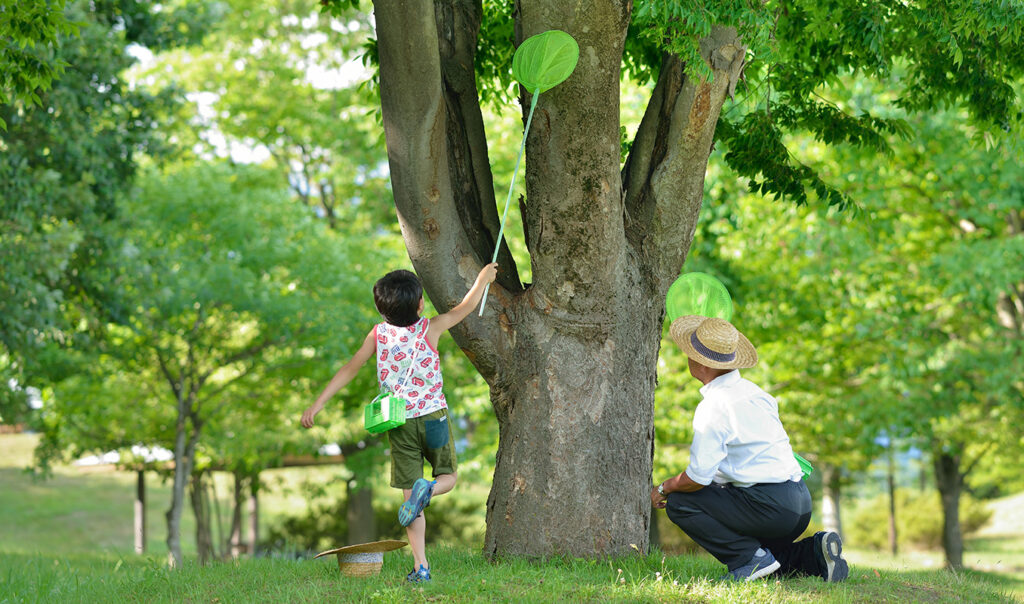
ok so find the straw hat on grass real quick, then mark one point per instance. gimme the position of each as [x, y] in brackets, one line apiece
[713, 342]
[364, 559]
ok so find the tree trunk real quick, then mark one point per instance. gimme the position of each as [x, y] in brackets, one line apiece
[831, 491]
[576, 435]
[572, 358]
[201, 511]
[238, 501]
[182, 470]
[184, 460]
[254, 513]
[891, 481]
[949, 481]
[140, 512]
[362, 525]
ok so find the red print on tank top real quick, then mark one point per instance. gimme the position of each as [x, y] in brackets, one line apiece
[408, 366]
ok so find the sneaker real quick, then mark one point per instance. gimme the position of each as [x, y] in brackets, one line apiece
[828, 549]
[761, 565]
[422, 489]
[419, 575]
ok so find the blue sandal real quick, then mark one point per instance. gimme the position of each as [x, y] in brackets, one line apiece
[422, 489]
[419, 575]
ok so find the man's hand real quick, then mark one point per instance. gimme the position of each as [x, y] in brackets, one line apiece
[308, 415]
[657, 500]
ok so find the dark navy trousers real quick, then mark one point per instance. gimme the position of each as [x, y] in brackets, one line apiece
[733, 522]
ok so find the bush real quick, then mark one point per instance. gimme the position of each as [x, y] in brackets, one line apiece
[918, 520]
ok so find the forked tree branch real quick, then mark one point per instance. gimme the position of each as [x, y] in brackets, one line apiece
[458, 25]
[664, 175]
[421, 144]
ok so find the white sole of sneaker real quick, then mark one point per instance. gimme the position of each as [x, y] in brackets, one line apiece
[764, 572]
[832, 548]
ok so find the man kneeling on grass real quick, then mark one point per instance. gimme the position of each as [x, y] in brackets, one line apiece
[742, 497]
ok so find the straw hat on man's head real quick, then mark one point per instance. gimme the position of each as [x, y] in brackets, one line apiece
[713, 342]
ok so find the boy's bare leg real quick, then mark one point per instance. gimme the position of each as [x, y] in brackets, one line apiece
[445, 483]
[416, 532]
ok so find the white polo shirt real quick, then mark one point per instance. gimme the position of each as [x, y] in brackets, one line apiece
[738, 436]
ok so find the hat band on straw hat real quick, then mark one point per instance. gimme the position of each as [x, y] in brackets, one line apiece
[720, 357]
[362, 557]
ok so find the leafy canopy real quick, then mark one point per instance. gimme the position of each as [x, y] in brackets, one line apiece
[933, 54]
[66, 156]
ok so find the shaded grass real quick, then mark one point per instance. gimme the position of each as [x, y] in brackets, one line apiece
[460, 576]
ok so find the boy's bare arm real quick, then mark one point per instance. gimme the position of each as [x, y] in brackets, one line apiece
[342, 378]
[444, 322]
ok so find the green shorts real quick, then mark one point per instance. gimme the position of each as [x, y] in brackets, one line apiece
[426, 437]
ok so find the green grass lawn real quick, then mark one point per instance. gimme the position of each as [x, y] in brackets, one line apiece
[70, 539]
[461, 576]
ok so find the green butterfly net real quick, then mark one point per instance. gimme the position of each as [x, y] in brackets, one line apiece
[544, 61]
[698, 294]
[541, 62]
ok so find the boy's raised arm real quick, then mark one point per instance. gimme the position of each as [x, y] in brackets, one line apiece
[444, 322]
[342, 378]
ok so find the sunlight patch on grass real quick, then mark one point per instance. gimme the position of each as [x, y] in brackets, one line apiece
[16, 450]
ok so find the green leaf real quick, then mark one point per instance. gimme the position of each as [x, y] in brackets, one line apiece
[545, 60]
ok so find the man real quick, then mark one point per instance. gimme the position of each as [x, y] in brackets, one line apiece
[742, 498]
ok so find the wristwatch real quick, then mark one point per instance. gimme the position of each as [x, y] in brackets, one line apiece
[661, 489]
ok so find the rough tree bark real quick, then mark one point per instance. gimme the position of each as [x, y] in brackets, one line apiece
[571, 358]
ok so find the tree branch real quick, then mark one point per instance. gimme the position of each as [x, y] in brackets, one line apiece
[241, 355]
[213, 394]
[975, 461]
[665, 182]
[165, 370]
[416, 115]
[458, 24]
[649, 146]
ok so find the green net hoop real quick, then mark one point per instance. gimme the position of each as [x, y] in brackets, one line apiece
[698, 294]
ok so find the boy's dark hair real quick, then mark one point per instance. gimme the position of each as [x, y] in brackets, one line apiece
[397, 297]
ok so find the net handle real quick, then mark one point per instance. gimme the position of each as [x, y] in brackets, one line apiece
[508, 200]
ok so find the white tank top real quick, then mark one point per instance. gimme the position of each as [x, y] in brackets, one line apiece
[402, 348]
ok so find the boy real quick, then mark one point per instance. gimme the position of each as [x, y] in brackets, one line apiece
[405, 347]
